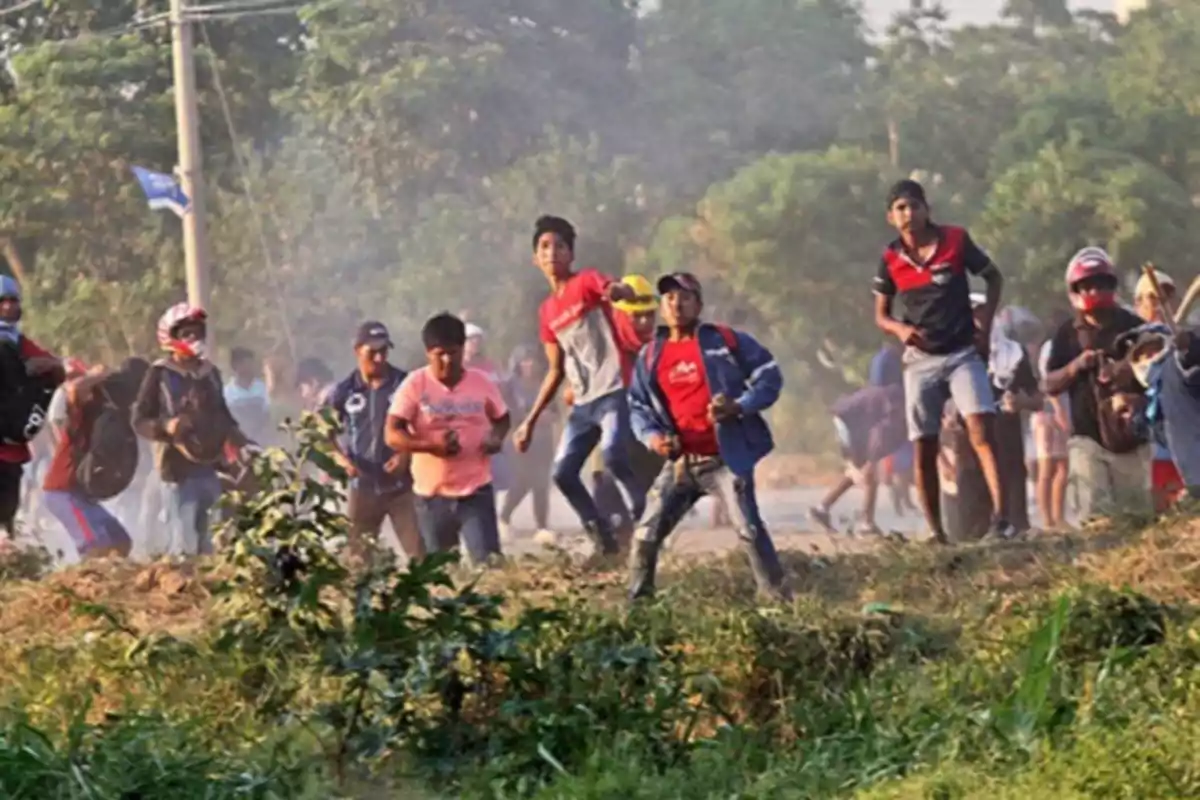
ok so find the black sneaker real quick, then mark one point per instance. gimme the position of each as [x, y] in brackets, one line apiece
[821, 517]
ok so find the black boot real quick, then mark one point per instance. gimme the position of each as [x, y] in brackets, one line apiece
[643, 561]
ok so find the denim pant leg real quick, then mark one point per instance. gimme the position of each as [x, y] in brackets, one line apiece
[671, 497]
[612, 415]
[737, 494]
[579, 436]
[435, 523]
[188, 505]
[478, 530]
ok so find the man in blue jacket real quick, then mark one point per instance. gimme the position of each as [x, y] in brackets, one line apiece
[380, 486]
[697, 396]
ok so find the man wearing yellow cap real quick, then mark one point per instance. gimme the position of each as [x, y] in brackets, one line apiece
[640, 316]
[1166, 484]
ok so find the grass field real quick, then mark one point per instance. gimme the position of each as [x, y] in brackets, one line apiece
[1064, 667]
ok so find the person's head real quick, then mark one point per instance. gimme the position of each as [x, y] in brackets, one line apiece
[444, 337]
[244, 363]
[1092, 281]
[642, 309]
[553, 246]
[524, 363]
[473, 348]
[182, 332]
[907, 208]
[372, 346]
[122, 385]
[312, 375]
[10, 300]
[682, 300]
[1146, 302]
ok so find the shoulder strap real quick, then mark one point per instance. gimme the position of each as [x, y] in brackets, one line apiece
[731, 340]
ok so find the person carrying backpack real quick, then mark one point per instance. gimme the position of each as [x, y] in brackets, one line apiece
[181, 408]
[28, 377]
[697, 399]
[95, 458]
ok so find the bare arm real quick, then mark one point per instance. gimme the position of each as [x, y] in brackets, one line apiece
[885, 322]
[550, 384]
[994, 283]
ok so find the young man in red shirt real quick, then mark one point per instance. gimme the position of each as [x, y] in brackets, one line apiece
[927, 268]
[39, 365]
[589, 347]
[697, 397]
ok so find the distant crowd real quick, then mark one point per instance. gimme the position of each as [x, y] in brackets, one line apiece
[667, 406]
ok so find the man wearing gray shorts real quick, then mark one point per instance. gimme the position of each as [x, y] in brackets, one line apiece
[927, 267]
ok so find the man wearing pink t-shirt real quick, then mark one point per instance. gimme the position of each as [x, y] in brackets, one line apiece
[452, 420]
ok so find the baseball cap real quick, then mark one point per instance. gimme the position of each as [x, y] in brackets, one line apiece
[373, 333]
[680, 280]
[1145, 288]
[644, 299]
[9, 287]
[473, 331]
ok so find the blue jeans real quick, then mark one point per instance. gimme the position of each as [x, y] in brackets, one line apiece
[445, 522]
[604, 421]
[187, 505]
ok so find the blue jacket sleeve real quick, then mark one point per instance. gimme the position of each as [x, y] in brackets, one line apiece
[761, 374]
[642, 417]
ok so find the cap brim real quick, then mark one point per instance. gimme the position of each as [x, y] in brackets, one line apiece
[669, 283]
[378, 341]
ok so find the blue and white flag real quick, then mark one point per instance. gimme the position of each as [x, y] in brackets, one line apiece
[162, 191]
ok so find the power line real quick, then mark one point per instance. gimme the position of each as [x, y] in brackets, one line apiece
[237, 5]
[248, 189]
[19, 7]
[228, 15]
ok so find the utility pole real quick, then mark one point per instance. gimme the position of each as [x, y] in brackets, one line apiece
[191, 176]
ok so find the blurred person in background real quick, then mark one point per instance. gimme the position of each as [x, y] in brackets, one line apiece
[30, 377]
[1166, 483]
[380, 484]
[474, 357]
[896, 470]
[531, 472]
[1108, 457]
[246, 395]
[1051, 428]
[314, 383]
[1015, 388]
[96, 458]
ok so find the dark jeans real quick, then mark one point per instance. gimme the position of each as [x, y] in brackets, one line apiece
[680, 484]
[369, 507]
[446, 522]
[10, 495]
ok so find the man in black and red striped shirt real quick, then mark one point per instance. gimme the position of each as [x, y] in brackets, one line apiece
[927, 267]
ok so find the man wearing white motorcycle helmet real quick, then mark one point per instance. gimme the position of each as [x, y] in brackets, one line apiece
[181, 408]
[1108, 455]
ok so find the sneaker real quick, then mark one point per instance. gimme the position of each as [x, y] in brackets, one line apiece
[546, 538]
[506, 533]
[821, 517]
[1001, 531]
[868, 529]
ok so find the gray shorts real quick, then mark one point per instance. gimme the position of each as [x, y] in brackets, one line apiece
[929, 381]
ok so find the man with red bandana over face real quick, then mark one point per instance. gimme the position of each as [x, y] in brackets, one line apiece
[1077, 365]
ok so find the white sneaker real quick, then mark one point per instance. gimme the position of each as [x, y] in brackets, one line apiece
[506, 533]
[546, 538]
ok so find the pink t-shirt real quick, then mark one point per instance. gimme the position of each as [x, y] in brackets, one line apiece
[431, 408]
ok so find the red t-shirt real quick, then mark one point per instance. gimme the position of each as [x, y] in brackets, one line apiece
[19, 453]
[60, 477]
[598, 350]
[685, 386]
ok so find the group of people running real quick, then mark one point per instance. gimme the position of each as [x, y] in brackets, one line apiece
[671, 412]
[1107, 402]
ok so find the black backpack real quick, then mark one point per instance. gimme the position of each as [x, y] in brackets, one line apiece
[24, 399]
[109, 463]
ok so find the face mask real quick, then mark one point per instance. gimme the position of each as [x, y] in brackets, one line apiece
[1093, 301]
[199, 348]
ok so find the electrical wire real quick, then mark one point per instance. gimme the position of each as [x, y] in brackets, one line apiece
[230, 15]
[18, 7]
[248, 189]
